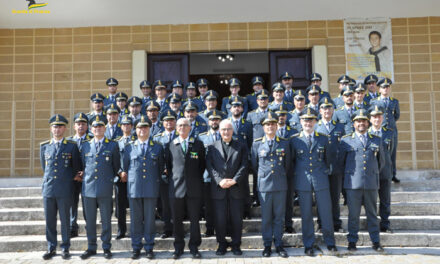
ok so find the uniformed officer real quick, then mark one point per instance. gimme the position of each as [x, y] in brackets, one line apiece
[60, 162]
[210, 104]
[191, 93]
[359, 96]
[372, 90]
[97, 101]
[121, 102]
[135, 108]
[112, 85]
[160, 90]
[335, 131]
[254, 117]
[81, 127]
[169, 133]
[287, 80]
[387, 136]
[143, 166]
[271, 158]
[257, 83]
[146, 90]
[316, 79]
[311, 158]
[344, 113]
[391, 115]
[101, 162]
[198, 125]
[176, 104]
[234, 88]
[153, 110]
[343, 81]
[361, 156]
[113, 128]
[313, 94]
[299, 100]
[177, 87]
[121, 199]
[243, 132]
[226, 162]
[208, 138]
[202, 86]
[286, 131]
[278, 98]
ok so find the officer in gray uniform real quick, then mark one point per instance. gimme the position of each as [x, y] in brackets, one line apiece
[391, 115]
[272, 161]
[299, 100]
[234, 87]
[359, 96]
[311, 158]
[254, 117]
[316, 79]
[113, 128]
[361, 156]
[112, 85]
[343, 81]
[81, 127]
[101, 163]
[344, 113]
[153, 109]
[278, 95]
[198, 125]
[143, 166]
[335, 131]
[372, 91]
[97, 101]
[387, 136]
[60, 162]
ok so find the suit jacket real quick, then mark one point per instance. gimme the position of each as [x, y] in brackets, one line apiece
[185, 171]
[144, 169]
[311, 164]
[99, 168]
[163, 139]
[244, 132]
[361, 164]
[233, 166]
[59, 167]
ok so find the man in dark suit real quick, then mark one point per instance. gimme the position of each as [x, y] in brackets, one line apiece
[226, 163]
[185, 158]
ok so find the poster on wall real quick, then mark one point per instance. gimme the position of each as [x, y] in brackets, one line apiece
[368, 47]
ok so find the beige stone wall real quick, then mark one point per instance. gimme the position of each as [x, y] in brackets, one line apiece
[46, 71]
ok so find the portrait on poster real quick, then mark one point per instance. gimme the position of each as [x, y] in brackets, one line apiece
[368, 47]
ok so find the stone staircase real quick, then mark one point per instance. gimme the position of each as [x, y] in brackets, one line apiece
[415, 219]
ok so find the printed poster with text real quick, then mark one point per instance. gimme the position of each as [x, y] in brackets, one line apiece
[368, 48]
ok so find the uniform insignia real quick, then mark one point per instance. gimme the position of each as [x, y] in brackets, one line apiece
[258, 139]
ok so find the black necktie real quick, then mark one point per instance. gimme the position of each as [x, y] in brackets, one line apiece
[144, 149]
[57, 146]
[169, 137]
[98, 146]
[309, 141]
[270, 144]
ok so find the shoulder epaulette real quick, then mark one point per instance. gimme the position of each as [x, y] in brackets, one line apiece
[204, 133]
[348, 135]
[45, 142]
[296, 134]
[258, 139]
[71, 141]
[321, 134]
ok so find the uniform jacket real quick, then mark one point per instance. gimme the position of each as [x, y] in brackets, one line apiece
[254, 118]
[391, 112]
[226, 105]
[342, 116]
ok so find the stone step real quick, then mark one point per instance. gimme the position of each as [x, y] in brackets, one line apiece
[249, 241]
[21, 228]
[397, 209]
[396, 197]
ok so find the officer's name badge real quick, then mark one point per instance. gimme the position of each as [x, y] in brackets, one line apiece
[194, 155]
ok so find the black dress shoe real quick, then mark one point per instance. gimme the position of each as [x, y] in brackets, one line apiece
[247, 216]
[236, 251]
[209, 233]
[196, 254]
[267, 252]
[256, 204]
[73, 233]
[108, 254]
[65, 254]
[332, 248]
[166, 234]
[395, 180]
[120, 236]
[136, 254]
[49, 254]
[150, 254]
[289, 229]
[177, 254]
[281, 252]
[309, 252]
[221, 250]
[87, 254]
[377, 247]
[386, 230]
[352, 246]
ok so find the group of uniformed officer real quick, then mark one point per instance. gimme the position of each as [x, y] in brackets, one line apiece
[174, 155]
